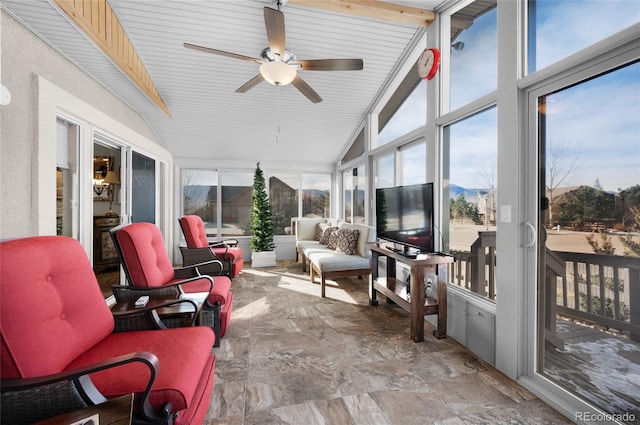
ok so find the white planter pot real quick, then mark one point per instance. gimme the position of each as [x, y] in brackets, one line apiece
[263, 259]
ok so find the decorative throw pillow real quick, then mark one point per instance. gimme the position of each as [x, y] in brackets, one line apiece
[347, 241]
[319, 231]
[324, 240]
[333, 238]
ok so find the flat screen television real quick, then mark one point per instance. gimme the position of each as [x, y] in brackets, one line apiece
[404, 215]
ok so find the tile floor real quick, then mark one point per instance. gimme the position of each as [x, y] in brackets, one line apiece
[291, 357]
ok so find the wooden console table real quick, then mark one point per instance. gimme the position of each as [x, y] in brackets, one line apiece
[417, 303]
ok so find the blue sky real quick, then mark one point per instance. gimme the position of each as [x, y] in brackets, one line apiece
[599, 120]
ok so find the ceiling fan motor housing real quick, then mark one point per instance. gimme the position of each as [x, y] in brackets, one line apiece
[268, 56]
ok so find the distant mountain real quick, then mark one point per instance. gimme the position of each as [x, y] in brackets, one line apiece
[472, 193]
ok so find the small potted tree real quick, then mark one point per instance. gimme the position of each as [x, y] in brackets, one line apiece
[261, 245]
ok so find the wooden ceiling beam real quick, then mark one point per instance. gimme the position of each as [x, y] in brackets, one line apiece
[101, 25]
[374, 9]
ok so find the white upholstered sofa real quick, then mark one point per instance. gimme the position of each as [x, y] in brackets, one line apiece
[349, 258]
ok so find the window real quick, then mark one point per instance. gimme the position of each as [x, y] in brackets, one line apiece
[230, 199]
[554, 36]
[354, 184]
[235, 203]
[411, 113]
[385, 171]
[347, 194]
[316, 195]
[360, 184]
[474, 54]
[470, 189]
[283, 200]
[199, 197]
[414, 163]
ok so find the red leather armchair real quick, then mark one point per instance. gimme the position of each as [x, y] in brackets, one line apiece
[146, 263]
[60, 353]
[199, 249]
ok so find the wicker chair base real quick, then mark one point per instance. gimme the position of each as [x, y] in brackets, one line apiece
[210, 316]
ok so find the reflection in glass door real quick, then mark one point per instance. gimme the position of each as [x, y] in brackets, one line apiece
[107, 210]
[589, 256]
[67, 192]
[143, 188]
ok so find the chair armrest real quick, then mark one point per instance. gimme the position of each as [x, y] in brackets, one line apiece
[220, 245]
[192, 270]
[126, 292]
[32, 399]
[232, 242]
[194, 279]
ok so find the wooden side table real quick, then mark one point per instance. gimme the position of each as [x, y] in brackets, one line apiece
[176, 315]
[113, 412]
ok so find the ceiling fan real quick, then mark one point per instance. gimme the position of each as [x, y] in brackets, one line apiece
[278, 65]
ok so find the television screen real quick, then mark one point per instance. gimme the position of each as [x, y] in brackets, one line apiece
[404, 215]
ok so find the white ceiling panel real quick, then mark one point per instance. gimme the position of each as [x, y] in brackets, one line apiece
[210, 120]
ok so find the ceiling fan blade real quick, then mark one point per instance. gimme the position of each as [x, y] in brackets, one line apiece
[250, 84]
[274, 23]
[306, 89]
[330, 64]
[220, 52]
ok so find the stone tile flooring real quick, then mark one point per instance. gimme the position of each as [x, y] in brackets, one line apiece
[291, 357]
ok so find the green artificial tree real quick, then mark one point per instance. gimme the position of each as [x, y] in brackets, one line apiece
[261, 227]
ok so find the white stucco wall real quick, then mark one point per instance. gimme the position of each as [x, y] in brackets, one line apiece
[27, 63]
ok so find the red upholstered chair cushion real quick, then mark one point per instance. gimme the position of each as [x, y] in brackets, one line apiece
[53, 318]
[194, 232]
[195, 236]
[145, 255]
[181, 369]
[52, 295]
[232, 252]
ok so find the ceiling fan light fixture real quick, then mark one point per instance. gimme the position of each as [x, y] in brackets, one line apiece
[278, 73]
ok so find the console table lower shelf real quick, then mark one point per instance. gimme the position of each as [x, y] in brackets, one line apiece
[411, 297]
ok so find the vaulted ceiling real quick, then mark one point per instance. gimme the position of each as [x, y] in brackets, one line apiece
[204, 116]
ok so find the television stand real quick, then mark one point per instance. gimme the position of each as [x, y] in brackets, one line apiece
[418, 305]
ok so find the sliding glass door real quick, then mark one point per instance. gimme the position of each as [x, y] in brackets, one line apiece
[588, 331]
[143, 188]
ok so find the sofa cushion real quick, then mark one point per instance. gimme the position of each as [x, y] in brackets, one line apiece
[326, 233]
[319, 231]
[304, 245]
[333, 239]
[367, 234]
[347, 241]
[306, 228]
[327, 260]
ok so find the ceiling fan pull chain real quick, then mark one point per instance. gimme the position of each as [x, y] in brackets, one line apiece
[278, 112]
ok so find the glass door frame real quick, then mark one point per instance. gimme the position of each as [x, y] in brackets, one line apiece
[606, 55]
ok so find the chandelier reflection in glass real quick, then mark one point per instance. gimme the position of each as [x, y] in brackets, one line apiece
[104, 179]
